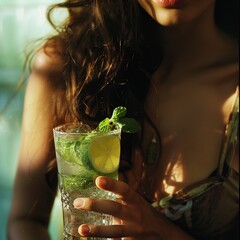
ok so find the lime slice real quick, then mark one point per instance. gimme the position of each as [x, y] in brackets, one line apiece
[104, 153]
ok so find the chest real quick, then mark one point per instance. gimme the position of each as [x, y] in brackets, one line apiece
[190, 117]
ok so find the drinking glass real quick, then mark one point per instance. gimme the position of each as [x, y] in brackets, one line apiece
[82, 154]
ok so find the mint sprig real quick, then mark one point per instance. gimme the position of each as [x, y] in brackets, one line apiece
[118, 119]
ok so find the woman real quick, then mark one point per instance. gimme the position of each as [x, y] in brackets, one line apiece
[174, 65]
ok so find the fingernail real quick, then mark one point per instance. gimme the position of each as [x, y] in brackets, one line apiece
[85, 229]
[102, 182]
[78, 203]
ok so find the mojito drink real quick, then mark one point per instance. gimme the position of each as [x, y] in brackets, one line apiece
[83, 154]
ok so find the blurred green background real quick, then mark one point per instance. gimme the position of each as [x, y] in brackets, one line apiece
[21, 23]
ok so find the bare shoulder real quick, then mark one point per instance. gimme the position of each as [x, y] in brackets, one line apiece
[49, 62]
[46, 86]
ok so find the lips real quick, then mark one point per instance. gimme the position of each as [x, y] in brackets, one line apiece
[169, 3]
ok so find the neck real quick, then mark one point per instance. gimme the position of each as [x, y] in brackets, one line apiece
[198, 36]
[191, 46]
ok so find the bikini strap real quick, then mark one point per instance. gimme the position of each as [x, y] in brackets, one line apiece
[229, 140]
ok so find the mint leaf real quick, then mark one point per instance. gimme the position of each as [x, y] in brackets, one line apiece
[119, 112]
[66, 148]
[104, 125]
[77, 182]
[129, 125]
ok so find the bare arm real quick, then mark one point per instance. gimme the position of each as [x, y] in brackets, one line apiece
[32, 197]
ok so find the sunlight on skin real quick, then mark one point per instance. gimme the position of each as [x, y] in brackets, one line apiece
[177, 171]
[173, 176]
[229, 103]
[168, 188]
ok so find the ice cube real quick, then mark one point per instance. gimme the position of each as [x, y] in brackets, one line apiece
[79, 128]
[69, 168]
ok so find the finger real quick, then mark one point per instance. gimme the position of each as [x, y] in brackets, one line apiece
[112, 231]
[106, 206]
[117, 221]
[121, 189]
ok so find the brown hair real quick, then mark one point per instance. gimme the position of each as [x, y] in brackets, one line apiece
[97, 38]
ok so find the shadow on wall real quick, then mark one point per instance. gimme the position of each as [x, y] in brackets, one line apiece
[21, 21]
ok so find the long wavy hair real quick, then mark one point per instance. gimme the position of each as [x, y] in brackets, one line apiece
[97, 40]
